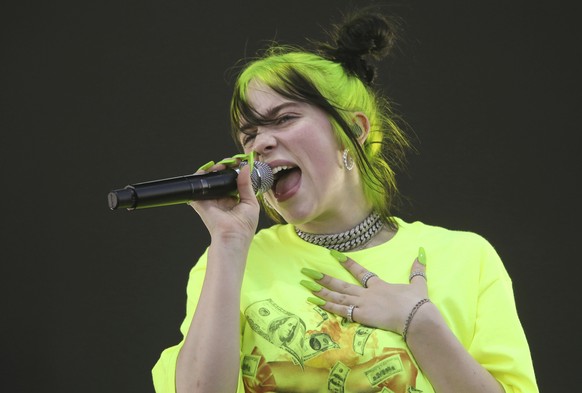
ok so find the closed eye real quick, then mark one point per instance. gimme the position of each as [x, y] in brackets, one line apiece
[247, 138]
[285, 119]
[249, 132]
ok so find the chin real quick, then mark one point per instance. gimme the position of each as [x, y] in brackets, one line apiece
[297, 215]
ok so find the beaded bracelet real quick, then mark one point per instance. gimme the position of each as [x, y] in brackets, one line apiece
[411, 315]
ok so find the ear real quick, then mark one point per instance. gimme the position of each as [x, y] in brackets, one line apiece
[361, 121]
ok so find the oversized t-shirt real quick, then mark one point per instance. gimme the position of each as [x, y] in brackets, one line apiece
[289, 344]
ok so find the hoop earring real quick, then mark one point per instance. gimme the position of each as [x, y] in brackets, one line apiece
[348, 160]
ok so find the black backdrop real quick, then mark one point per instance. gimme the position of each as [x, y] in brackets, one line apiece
[96, 95]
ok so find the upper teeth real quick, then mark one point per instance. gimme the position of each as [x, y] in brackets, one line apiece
[280, 168]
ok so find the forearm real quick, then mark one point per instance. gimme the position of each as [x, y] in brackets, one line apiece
[209, 359]
[442, 358]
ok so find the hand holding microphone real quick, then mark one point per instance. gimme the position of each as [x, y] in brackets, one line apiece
[183, 189]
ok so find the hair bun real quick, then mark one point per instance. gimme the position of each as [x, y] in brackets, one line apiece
[361, 40]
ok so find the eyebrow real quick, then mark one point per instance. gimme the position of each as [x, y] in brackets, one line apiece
[272, 112]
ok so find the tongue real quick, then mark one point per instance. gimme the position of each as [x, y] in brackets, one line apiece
[287, 181]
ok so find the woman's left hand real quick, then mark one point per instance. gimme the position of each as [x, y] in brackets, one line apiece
[377, 303]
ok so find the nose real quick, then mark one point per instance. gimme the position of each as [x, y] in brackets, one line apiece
[264, 142]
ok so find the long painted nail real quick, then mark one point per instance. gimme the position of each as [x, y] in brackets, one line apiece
[422, 256]
[338, 255]
[227, 161]
[312, 286]
[312, 273]
[205, 166]
[317, 301]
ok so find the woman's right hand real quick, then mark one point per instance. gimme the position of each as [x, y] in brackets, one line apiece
[230, 218]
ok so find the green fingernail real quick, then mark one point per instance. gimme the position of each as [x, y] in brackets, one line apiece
[227, 161]
[422, 256]
[312, 286]
[205, 166]
[315, 300]
[312, 273]
[338, 255]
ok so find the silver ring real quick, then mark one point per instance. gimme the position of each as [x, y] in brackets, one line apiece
[366, 277]
[351, 312]
[414, 274]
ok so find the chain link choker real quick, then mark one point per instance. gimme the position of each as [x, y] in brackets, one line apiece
[348, 240]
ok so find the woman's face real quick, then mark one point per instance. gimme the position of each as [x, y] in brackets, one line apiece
[312, 189]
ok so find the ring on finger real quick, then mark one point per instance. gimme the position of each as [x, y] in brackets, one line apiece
[414, 274]
[350, 315]
[366, 277]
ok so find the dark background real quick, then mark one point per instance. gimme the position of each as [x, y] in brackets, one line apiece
[97, 95]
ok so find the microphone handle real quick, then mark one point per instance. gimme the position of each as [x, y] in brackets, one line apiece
[174, 190]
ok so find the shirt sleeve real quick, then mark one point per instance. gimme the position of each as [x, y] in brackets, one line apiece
[499, 343]
[164, 371]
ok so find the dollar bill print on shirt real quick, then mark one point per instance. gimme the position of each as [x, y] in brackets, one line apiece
[360, 338]
[278, 326]
[324, 348]
[317, 343]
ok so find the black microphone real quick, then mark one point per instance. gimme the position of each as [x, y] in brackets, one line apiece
[183, 189]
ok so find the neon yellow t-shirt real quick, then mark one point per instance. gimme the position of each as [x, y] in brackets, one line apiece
[289, 343]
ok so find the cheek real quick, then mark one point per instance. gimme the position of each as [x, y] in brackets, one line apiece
[324, 154]
[313, 139]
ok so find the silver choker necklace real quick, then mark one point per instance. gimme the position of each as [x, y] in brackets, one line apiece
[348, 240]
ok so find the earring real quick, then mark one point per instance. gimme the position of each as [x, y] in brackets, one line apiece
[348, 160]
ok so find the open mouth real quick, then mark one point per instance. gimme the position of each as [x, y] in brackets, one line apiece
[286, 179]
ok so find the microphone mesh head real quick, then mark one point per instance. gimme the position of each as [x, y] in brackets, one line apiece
[261, 177]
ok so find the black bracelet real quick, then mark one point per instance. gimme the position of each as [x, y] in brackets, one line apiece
[411, 315]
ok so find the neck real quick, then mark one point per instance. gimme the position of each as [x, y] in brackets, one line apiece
[357, 237]
[342, 218]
